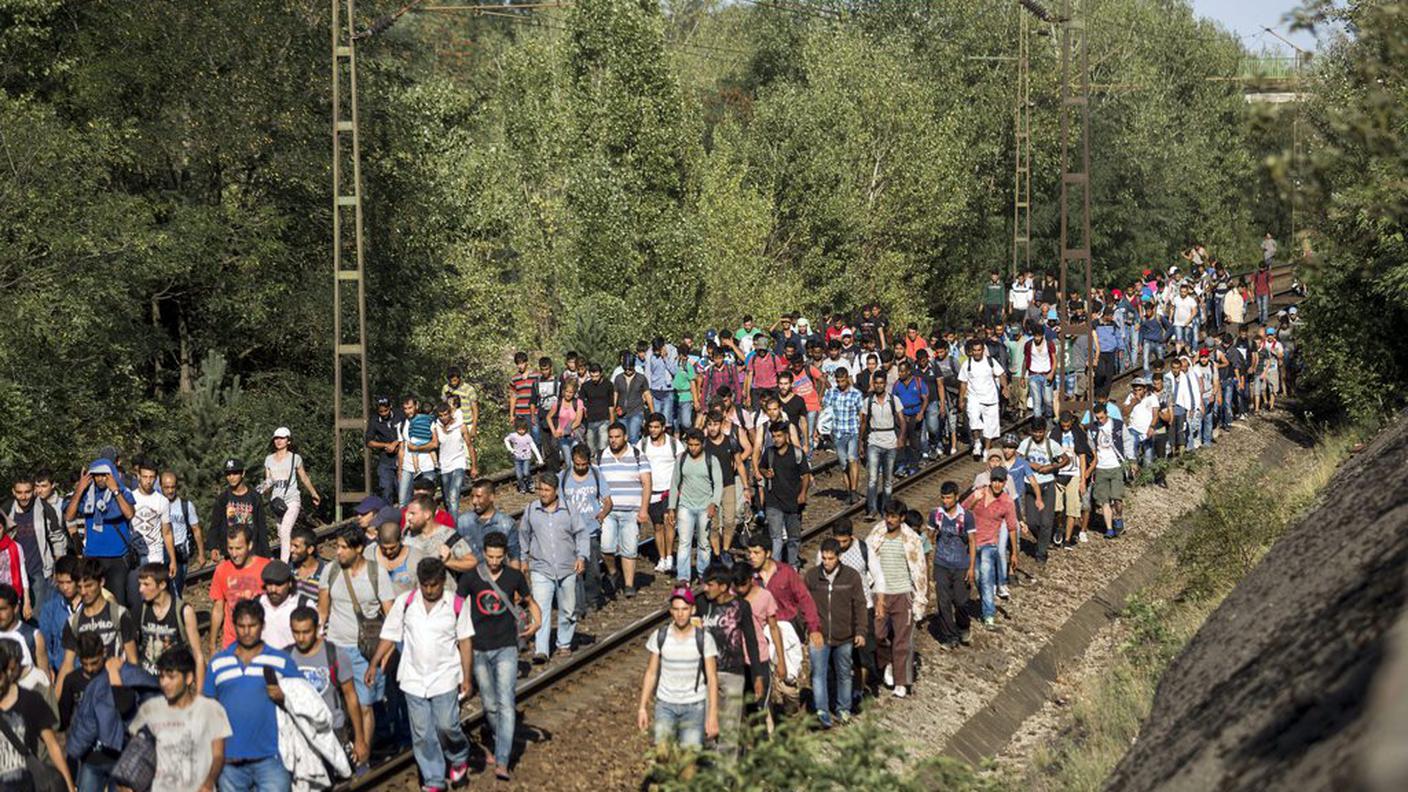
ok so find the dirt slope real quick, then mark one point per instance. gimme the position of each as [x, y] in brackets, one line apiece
[1273, 692]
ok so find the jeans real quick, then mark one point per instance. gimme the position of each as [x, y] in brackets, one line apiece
[1141, 449]
[94, 773]
[451, 482]
[545, 587]
[691, 529]
[879, 462]
[496, 674]
[1039, 386]
[387, 479]
[684, 414]
[1180, 427]
[1263, 305]
[403, 490]
[1040, 521]
[263, 775]
[634, 423]
[665, 405]
[1185, 334]
[785, 528]
[589, 593]
[596, 435]
[522, 469]
[988, 561]
[1003, 545]
[680, 723]
[932, 436]
[907, 458]
[731, 687]
[436, 736]
[1229, 398]
[1152, 350]
[620, 535]
[847, 445]
[839, 659]
[1209, 414]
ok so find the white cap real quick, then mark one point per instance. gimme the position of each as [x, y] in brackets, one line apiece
[283, 431]
[803, 322]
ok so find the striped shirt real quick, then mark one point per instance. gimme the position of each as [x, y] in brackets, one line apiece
[680, 681]
[240, 689]
[523, 385]
[845, 410]
[623, 477]
[895, 568]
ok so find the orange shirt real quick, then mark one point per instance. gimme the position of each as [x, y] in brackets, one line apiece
[230, 584]
[913, 345]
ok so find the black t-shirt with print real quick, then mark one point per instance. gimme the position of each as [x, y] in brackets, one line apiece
[27, 718]
[113, 632]
[494, 625]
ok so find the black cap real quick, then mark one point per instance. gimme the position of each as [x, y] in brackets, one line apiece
[383, 401]
[997, 474]
[234, 465]
[276, 572]
[369, 504]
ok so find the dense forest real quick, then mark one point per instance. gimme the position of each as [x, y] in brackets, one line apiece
[573, 176]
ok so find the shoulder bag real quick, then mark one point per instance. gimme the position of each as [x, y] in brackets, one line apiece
[44, 777]
[279, 506]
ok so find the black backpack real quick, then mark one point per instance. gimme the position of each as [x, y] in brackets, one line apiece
[698, 644]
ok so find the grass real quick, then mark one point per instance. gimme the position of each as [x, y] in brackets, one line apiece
[1241, 517]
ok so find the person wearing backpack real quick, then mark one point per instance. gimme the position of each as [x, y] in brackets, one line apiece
[731, 450]
[883, 426]
[695, 496]
[585, 490]
[953, 535]
[353, 598]
[629, 476]
[660, 450]
[99, 615]
[329, 671]
[185, 532]
[682, 677]
[982, 383]
[24, 712]
[556, 544]
[786, 479]
[435, 633]
[164, 621]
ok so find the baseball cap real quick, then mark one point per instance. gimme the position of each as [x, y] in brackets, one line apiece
[388, 514]
[682, 592]
[994, 453]
[1010, 440]
[1271, 331]
[283, 431]
[369, 504]
[1204, 352]
[383, 401]
[848, 332]
[1293, 310]
[233, 465]
[1117, 294]
[276, 571]
[1140, 382]
[997, 474]
[100, 467]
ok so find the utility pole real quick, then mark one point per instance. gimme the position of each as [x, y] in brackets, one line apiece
[1075, 180]
[349, 318]
[1022, 147]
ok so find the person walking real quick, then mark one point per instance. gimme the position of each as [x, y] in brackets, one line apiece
[283, 473]
[839, 594]
[682, 676]
[953, 564]
[901, 595]
[729, 619]
[696, 495]
[434, 634]
[556, 544]
[106, 508]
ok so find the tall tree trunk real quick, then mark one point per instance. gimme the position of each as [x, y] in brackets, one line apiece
[156, 358]
[187, 376]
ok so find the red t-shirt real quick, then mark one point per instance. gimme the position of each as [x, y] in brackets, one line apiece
[988, 517]
[230, 584]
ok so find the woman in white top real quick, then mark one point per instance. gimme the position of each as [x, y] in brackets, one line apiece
[280, 482]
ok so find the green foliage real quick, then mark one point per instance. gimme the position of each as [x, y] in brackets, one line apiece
[1356, 185]
[858, 756]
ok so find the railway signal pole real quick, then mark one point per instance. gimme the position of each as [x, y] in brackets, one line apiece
[1022, 147]
[1075, 183]
[349, 290]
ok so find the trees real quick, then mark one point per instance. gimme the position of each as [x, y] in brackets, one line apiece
[581, 177]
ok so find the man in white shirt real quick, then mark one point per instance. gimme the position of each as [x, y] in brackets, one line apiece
[280, 600]
[1186, 398]
[1020, 298]
[660, 450]
[1142, 407]
[1185, 315]
[450, 439]
[980, 381]
[151, 527]
[435, 632]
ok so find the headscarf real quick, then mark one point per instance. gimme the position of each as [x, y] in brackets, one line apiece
[94, 503]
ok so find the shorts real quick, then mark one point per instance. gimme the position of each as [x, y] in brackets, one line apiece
[1108, 485]
[847, 447]
[366, 696]
[1068, 497]
[728, 512]
[620, 534]
[984, 418]
[657, 509]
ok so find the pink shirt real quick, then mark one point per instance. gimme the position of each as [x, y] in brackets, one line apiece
[764, 607]
[988, 517]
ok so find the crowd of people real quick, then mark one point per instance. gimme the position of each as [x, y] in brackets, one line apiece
[699, 457]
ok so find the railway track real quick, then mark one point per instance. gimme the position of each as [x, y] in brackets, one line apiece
[559, 697]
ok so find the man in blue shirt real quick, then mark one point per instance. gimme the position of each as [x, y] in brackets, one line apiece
[914, 397]
[106, 506]
[243, 677]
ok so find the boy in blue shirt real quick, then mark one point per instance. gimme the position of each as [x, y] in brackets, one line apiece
[106, 506]
[243, 677]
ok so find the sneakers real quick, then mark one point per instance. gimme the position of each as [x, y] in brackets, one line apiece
[889, 676]
[900, 691]
[989, 623]
[664, 564]
[1056, 541]
[630, 592]
[1110, 534]
[824, 719]
[458, 773]
[501, 773]
[965, 637]
[1083, 538]
[843, 717]
[1004, 592]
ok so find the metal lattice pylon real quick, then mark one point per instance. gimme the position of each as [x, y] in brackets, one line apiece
[1075, 173]
[348, 259]
[1022, 145]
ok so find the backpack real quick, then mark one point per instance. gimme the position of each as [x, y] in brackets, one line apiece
[673, 442]
[896, 411]
[770, 456]
[179, 605]
[679, 469]
[458, 601]
[117, 613]
[698, 644]
[634, 452]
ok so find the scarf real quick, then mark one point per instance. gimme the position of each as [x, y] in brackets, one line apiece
[96, 503]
